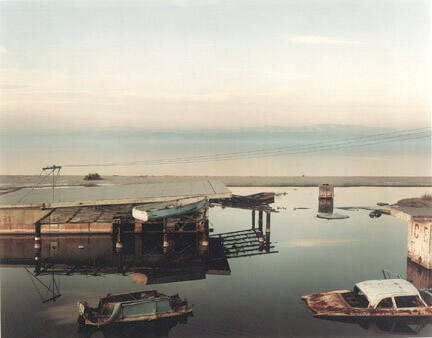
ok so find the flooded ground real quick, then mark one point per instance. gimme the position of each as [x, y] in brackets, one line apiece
[260, 297]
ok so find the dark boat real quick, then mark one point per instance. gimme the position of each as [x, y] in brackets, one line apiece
[142, 306]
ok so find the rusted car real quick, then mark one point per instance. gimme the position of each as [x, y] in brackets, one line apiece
[390, 298]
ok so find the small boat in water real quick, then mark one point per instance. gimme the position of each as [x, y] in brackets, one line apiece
[152, 211]
[143, 306]
[390, 298]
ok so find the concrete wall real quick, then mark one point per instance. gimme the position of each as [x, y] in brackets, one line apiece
[420, 242]
[20, 220]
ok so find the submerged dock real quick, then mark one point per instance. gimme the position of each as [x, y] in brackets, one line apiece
[91, 209]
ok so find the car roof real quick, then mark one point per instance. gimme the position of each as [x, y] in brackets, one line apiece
[375, 290]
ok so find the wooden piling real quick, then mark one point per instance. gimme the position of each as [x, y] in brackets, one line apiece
[268, 215]
[119, 244]
[253, 219]
[260, 220]
[261, 241]
[37, 243]
[267, 242]
[165, 242]
[138, 227]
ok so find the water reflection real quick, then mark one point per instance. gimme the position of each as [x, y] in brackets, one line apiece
[391, 326]
[160, 328]
[419, 276]
[142, 257]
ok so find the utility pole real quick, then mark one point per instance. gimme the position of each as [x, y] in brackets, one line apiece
[53, 169]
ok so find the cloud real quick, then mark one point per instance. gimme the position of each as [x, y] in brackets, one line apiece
[319, 40]
[3, 49]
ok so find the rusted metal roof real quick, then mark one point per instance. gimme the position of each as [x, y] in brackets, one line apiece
[113, 194]
[376, 290]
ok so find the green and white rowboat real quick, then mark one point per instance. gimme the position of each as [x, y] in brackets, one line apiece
[142, 306]
[152, 211]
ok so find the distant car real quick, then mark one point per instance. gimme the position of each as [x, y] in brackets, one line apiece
[394, 298]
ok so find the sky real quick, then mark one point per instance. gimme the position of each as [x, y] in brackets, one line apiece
[198, 64]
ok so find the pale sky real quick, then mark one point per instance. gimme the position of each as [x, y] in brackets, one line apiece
[214, 64]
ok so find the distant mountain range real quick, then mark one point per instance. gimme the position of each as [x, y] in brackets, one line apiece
[319, 129]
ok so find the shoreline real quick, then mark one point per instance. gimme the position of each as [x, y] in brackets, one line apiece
[8, 182]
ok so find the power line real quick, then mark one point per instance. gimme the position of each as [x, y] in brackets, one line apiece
[298, 149]
[394, 136]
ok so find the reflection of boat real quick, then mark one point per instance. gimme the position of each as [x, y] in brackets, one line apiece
[394, 326]
[391, 326]
[326, 215]
[155, 328]
[152, 211]
[394, 298]
[142, 306]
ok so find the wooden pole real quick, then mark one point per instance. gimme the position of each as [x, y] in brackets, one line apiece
[119, 244]
[268, 214]
[260, 220]
[253, 219]
[267, 239]
[37, 246]
[165, 236]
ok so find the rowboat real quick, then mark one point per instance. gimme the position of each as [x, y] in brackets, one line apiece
[152, 211]
[142, 306]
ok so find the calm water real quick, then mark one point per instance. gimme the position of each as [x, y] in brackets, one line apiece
[261, 296]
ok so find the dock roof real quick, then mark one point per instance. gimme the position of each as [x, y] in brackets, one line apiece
[113, 194]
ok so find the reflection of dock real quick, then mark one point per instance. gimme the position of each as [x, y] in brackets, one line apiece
[143, 255]
[245, 243]
[258, 201]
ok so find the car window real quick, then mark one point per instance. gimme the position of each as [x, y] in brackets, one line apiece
[386, 303]
[408, 301]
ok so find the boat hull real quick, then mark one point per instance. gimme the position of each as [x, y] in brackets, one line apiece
[170, 209]
[136, 307]
[141, 319]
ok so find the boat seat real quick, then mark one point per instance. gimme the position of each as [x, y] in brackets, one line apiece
[107, 308]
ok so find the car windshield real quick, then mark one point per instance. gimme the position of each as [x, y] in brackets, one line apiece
[356, 298]
[408, 301]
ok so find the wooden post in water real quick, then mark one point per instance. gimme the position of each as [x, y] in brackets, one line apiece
[268, 214]
[260, 220]
[117, 233]
[261, 240]
[37, 246]
[138, 226]
[253, 219]
[165, 237]
[267, 239]
[204, 237]
[119, 244]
